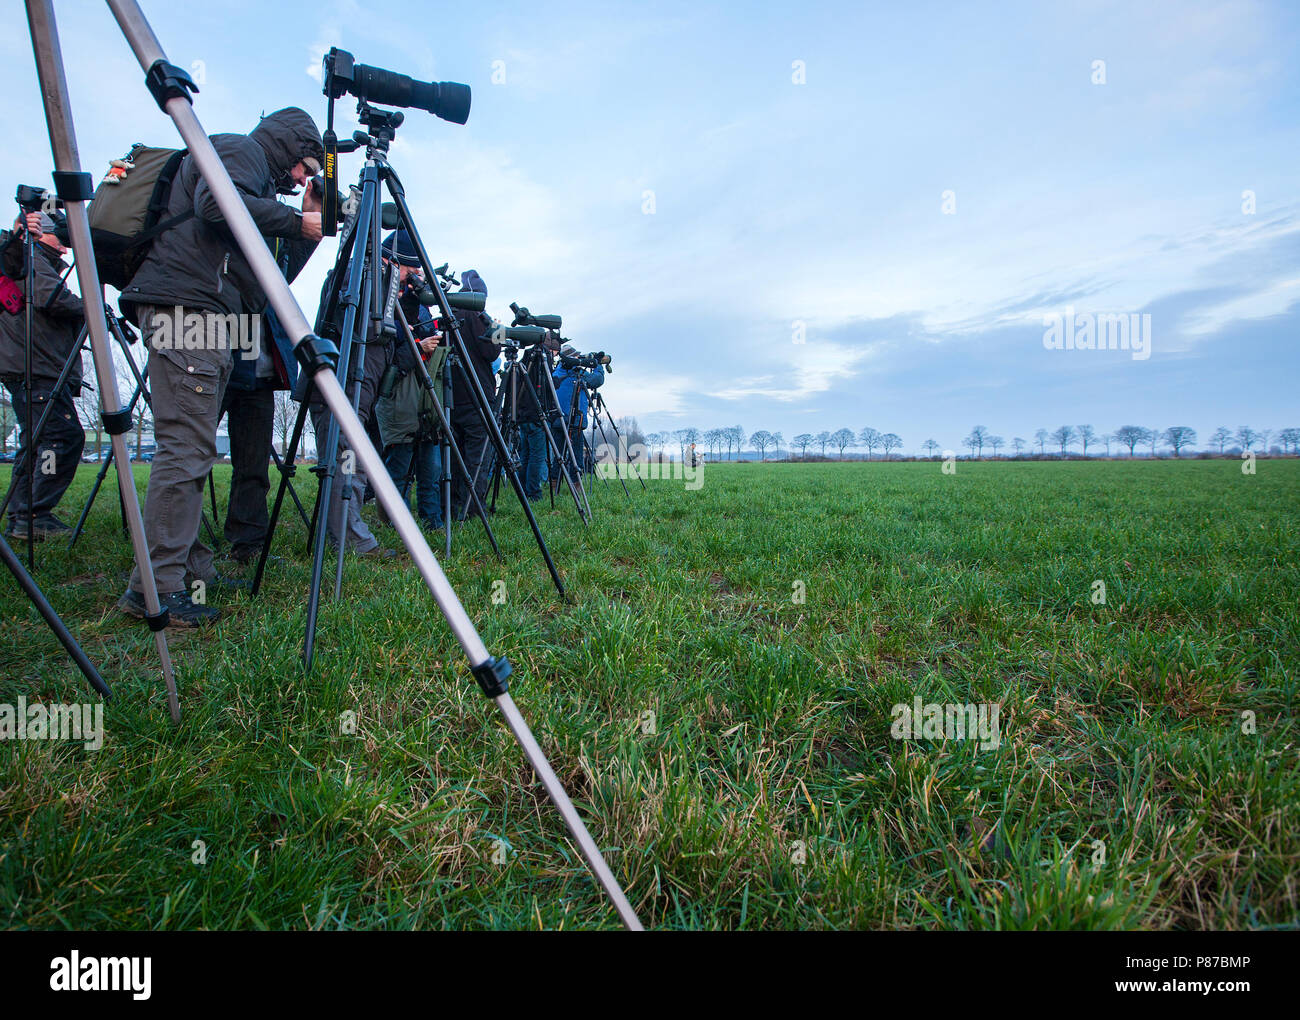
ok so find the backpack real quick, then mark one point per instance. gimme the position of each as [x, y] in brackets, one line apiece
[127, 208]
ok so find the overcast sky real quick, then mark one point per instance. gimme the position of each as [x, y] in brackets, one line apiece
[908, 189]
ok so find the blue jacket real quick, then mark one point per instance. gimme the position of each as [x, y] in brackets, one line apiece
[276, 343]
[563, 379]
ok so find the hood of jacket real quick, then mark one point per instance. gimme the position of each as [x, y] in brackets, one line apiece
[286, 136]
[471, 281]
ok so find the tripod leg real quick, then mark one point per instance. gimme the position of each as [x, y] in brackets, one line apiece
[75, 189]
[444, 423]
[52, 619]
[279, 466]
[286, 482]
[140, 391]
[481, 403]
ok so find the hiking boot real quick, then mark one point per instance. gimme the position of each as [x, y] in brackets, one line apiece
[50, 526]
[45, 526]
[183, 612]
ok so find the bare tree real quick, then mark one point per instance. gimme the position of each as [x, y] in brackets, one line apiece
[1042, 437]
[1086, 435]
[841, 439]
[978, 438]
[823, 440]
[1221, 438]
[735, 434]
[87, 404]
[890, 442]
[761, 439]
[141, 418]
[1130, 436]
[1290, 439]
[1152, 438]
[930, 447]
[1018, 445]
[1179, 437]
[1063, 437]
[869, 438]
[1108, 438]
[996, 443]
[801, 442]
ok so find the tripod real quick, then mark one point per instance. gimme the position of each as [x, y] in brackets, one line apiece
[359, 267]
[171, 89]
[74, 188]
[598, 404]
[381, 171]
[518, 375]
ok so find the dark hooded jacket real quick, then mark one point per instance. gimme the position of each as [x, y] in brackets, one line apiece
[476, 331]
[197, 263]
[57, 317]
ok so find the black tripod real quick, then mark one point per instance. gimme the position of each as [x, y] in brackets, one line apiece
[378, 170]
[357, 285]
[618, 450]
[517, 378]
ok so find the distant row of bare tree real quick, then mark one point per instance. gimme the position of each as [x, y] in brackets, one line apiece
[1067, 440]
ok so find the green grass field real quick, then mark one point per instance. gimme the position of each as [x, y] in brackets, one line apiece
[1146, 777]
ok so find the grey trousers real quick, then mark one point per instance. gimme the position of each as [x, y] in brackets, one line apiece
[187, 387]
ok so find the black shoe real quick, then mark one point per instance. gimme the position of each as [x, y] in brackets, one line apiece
[50, 526]
[45, 526]
[219, 581]
[182, 612]
[16, 531]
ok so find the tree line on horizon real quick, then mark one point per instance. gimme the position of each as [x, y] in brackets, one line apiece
[729, 442]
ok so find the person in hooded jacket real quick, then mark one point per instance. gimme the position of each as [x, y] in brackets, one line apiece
[57, 318]
[404, 411]
[565, 378]
[188, 293]
[466, 424]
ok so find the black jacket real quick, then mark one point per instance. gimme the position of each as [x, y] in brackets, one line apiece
[57, 317]
[197, 263]
[476, 331]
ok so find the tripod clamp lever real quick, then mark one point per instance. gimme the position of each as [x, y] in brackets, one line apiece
[118, 422]
[491, 675]
[315, 354]
[167, 81]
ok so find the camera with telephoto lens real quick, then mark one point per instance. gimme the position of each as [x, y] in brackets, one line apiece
[448, 100]
[589, 361]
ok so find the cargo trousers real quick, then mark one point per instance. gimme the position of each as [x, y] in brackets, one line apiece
[187, 384]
